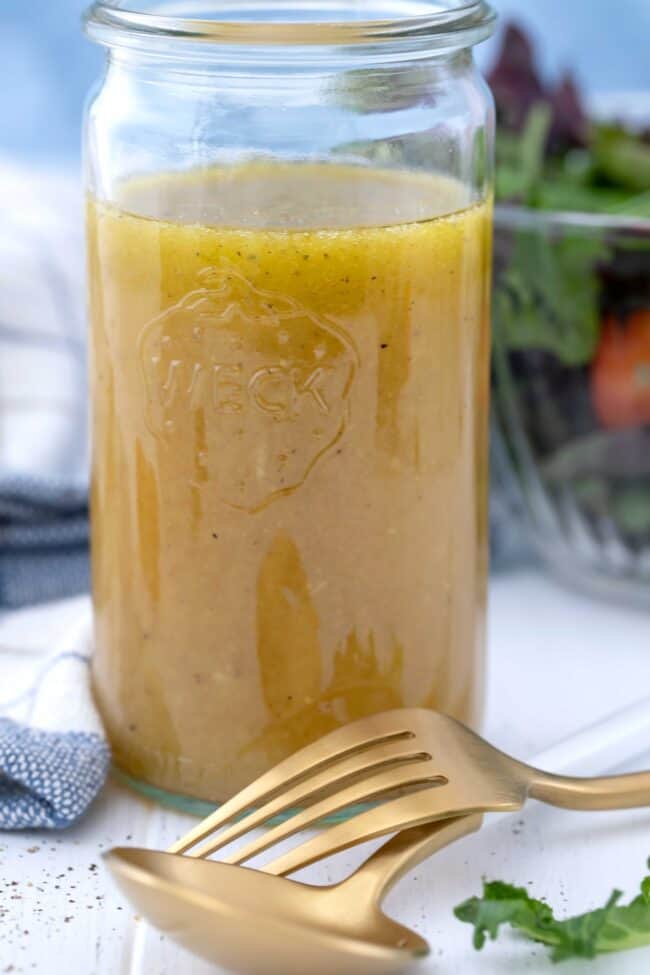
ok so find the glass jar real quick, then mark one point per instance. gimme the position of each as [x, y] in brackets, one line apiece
[289, 226]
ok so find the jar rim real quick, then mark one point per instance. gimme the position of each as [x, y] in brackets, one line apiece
[294, 23]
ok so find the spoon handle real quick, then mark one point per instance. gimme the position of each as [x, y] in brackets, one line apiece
[390, 862]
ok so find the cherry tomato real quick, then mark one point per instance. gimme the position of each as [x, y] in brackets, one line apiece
[620, 372]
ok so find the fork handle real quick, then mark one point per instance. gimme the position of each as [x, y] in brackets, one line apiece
[610, 792]
[387, 865]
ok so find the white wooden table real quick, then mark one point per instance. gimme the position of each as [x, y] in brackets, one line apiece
[558, 661]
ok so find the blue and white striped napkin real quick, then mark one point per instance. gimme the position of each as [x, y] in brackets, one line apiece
[43, 395]
[54, 757]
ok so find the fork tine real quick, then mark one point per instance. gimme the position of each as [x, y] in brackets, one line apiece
[411, 810]
[367, 789]
[395, 753]
[339, 744]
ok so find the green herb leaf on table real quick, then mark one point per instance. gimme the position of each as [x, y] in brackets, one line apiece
[614, 927]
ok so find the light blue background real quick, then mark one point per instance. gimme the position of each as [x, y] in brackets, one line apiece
[46, 66]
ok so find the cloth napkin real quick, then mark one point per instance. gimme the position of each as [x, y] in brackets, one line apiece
[54, 757]
[43, 392]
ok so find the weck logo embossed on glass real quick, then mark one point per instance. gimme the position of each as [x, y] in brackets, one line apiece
[257, 378]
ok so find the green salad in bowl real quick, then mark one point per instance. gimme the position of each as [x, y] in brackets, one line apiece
[571, 352]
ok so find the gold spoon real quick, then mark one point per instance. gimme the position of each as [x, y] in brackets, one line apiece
[253, 923]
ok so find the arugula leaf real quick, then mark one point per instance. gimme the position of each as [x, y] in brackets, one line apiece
[561, 193]
[633, 206]
[520, 159]
[548, 296]
[622, 158]
[614, 927]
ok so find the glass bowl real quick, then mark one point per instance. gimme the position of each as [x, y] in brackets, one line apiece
[571, 384]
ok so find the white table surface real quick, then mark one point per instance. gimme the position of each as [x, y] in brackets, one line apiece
[558, 661]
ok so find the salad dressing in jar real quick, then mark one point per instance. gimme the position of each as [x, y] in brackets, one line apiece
[290, 391]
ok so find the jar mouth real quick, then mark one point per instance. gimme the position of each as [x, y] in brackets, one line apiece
[437, 23]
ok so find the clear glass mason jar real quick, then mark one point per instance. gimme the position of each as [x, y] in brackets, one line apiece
[289, 229]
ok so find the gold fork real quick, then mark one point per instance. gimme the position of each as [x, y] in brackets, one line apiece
[455, 772]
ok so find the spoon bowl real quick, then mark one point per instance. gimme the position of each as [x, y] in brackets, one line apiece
[255, 923]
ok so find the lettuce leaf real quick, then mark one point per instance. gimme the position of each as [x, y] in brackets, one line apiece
[548, 296]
